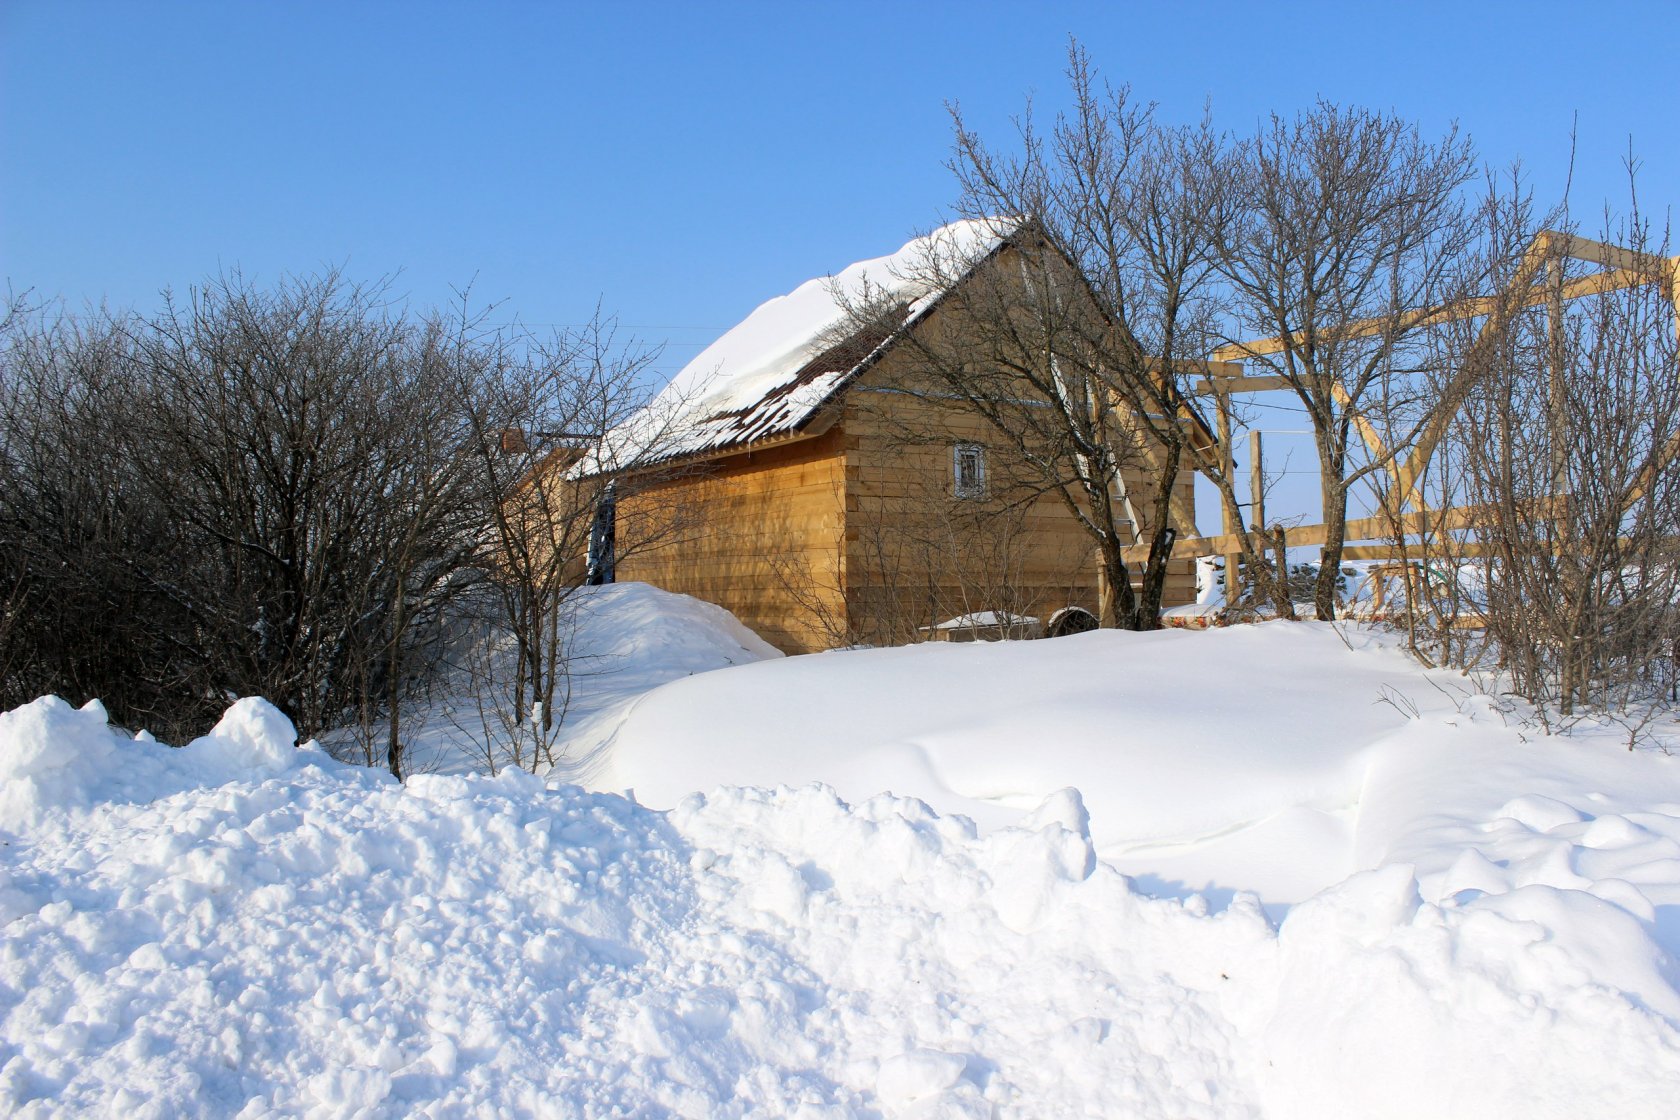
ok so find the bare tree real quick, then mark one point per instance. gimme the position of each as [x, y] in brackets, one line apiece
[301, 492]
[279, 429]
[1081, 350]
[1350, 231]
[78, 528]
[424, 554]
[539, 417]
[256, 491]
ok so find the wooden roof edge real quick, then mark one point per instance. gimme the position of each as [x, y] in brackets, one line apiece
[819, 424]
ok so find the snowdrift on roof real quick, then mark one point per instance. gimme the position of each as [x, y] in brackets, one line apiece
[758, 380]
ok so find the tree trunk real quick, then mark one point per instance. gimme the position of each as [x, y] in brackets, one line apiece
[1160, 544]
[393, 689]
[1118, 609]
[1334, 496]
[1282, 601]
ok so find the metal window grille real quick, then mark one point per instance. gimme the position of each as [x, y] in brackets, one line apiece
[968, 464]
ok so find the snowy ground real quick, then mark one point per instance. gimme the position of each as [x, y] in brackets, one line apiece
[1328, 909]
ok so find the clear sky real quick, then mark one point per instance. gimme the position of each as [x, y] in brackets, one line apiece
[681, 163]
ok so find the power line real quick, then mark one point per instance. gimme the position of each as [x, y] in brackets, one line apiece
[623, 326]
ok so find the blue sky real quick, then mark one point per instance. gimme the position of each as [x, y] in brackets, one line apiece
[681, 163]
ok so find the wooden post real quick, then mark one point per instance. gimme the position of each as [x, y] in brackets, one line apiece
[1256, 481]
[1556, 410]
[1228, 524]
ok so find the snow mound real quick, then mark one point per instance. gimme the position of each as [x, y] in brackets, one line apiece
[54, 757]
[253, 735]
[1171, 737]
[1276, 759]
[1383, 1005]
[621, 640]
[639, 629]
[330, 942]
[51, 753]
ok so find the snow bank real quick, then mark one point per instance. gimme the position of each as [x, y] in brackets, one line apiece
[629, 638]
[54, 757]
[325, 941]
[1383, 1005]
[621, 640]
[53, 754]
[1276, 759]
[252, 737]
[245, 928]
[1171, 737]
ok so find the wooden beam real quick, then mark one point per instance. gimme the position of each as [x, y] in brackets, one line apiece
[1227, 524]
[1357, 529]
[1596, 284]
[1212, 367]
[1610, 256]
[1242, 384]
[1466, 549]
[1410, 473]
[1256, 482]
[1635, 269]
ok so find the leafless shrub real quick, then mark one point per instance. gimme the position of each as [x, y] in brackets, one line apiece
[1568, 449]
[285, 491]
[82, 534]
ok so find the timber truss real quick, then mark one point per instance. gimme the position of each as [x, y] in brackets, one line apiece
[1538, 280]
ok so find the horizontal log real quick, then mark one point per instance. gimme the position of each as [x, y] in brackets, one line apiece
[1357, 529]
[1635, 269]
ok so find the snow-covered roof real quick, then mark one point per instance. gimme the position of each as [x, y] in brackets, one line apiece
[770, 374]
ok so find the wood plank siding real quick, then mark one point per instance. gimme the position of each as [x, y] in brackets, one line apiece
[918, 554]
[758, 532]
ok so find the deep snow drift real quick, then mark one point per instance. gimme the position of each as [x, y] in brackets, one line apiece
[622, 640]
[1276, 758]
[240, 928]
[1171, 737]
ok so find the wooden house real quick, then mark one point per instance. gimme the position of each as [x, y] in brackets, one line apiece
[794, 474]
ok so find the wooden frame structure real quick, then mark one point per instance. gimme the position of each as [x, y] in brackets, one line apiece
[1410, 514]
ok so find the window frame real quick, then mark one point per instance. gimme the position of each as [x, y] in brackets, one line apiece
[975, 486]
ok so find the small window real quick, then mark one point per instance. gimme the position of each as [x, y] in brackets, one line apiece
[968, 464]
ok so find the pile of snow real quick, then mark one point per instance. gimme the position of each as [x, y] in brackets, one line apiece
[245, 928]
[54, 757]
[620, 641]
[1172, 738]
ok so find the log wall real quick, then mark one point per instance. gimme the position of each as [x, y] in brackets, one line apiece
[918, 554]
[759, 533]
